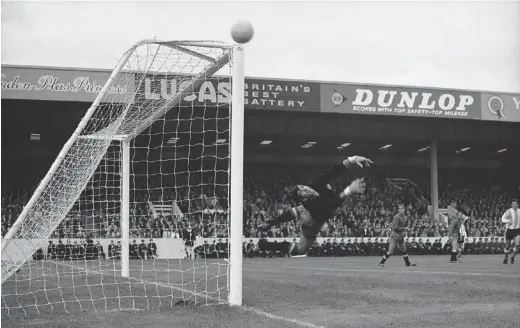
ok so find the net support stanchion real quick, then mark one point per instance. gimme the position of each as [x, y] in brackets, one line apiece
[237, 173]
[125, 209]
[434, 179]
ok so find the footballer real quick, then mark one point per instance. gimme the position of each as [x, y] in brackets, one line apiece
[399, 228]
[511, 218]
[318, 203]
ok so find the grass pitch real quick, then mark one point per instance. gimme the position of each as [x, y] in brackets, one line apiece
[304, 292]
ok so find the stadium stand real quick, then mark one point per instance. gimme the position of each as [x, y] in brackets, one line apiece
[267, 193]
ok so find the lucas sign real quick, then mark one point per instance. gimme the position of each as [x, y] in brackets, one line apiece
[357, 99]
[259, 94]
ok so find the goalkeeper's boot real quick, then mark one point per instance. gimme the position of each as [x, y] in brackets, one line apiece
[411, 264]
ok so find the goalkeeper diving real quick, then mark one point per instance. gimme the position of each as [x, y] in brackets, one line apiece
[318, 203]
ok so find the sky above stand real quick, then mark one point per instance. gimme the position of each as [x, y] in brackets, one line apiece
[463, 45]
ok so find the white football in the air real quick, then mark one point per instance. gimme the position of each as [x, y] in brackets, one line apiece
[242, 31]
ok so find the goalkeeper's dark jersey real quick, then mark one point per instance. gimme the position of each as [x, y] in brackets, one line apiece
[322, 207]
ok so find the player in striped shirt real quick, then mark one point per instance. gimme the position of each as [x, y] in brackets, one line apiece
[318, 203]
[512, 220]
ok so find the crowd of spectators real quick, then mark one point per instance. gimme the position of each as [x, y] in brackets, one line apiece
[204, 206]
[370, 214]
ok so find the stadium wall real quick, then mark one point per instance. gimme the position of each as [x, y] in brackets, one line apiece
[173, 248]
[68, 84]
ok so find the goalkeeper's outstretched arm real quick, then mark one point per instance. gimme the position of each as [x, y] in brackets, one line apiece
[286, 216]
[356, 187]
[337, 170]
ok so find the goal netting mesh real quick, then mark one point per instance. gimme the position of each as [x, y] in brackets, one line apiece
[165, 113]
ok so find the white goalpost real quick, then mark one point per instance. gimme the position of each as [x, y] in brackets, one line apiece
[159, 151]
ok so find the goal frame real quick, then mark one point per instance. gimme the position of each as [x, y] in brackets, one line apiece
[234, 57]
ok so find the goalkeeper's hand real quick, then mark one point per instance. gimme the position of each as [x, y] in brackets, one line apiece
[359, 160]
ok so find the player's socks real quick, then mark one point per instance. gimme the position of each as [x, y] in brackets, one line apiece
[385, 257]
[506, 253]
[453, 256]
[406, 260]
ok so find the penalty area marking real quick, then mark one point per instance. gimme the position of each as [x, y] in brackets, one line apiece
[243, 308]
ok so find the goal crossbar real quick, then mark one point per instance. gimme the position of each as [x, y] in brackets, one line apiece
[191, 52]
[98, 137]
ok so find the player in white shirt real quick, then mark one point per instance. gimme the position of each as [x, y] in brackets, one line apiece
[512, 220]
[462, 236]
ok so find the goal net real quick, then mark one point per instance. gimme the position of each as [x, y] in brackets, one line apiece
[148, 165]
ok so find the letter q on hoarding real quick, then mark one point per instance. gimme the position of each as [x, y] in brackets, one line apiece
[496, 106]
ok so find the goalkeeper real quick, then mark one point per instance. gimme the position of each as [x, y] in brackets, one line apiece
[318, 203]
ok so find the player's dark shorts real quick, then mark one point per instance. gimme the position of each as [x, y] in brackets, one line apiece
[189, 243]
[310, 227]
[397, 238]
[512, 233]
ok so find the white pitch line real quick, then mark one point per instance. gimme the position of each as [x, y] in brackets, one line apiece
[277, 317]
[243, 308]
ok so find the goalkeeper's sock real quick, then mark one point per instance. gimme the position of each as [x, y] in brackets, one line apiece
[453, 256]
[385, 257]
[292, 249]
